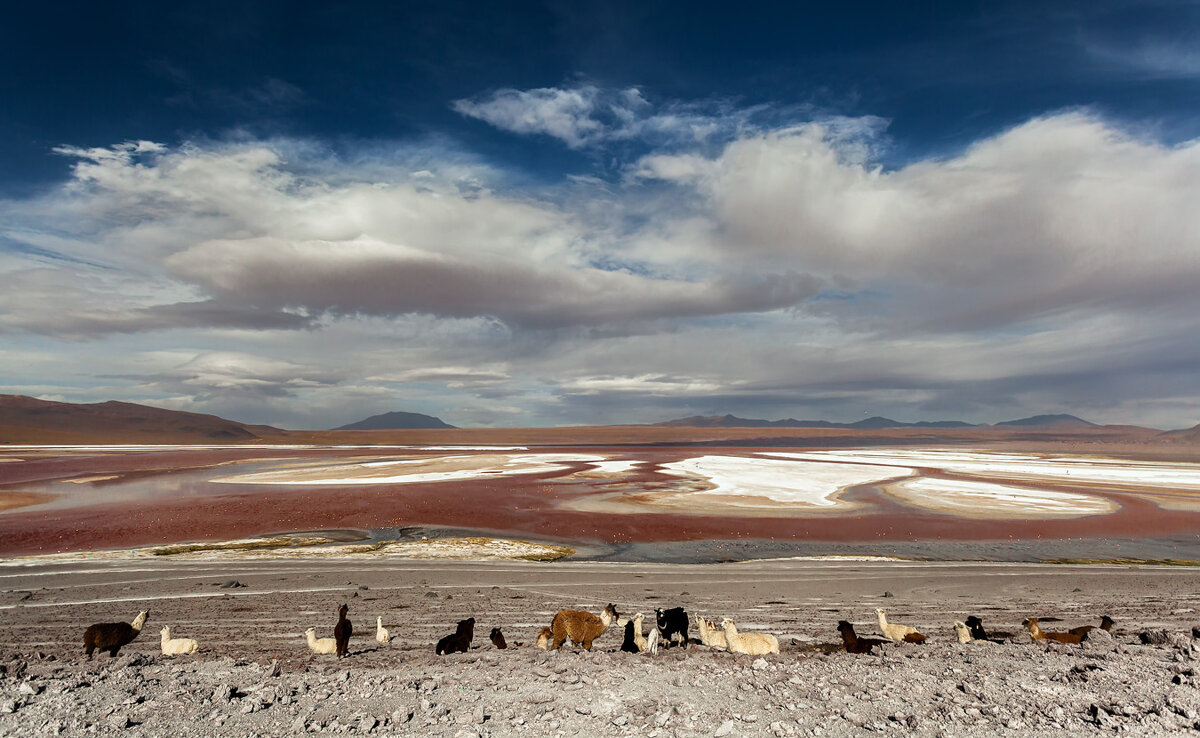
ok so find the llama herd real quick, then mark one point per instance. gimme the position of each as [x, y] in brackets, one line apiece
[582, 628]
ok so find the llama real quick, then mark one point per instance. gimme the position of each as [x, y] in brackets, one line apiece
[854, 644]
[581, 627]
[175, 646]
[963, 632]
[1037, 634]
[111, 636]
[319, 645]
[642, 644]
[381, 633]
[976, 627]
[342, 632]
[629, 645]
[1106, 623]
[754, 644]
[897, 633]
[459, 641]
[498, 639]
[544, 637]
[673, 625]
[709, 634]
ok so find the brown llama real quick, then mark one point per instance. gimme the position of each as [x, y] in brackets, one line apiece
[1106, 623]
[580, 627]
[498, 639]
[342, 632]
[111, 636]
[854, 644]
[1037, 634]
[459, 641]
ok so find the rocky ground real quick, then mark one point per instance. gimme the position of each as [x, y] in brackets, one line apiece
[254, 675]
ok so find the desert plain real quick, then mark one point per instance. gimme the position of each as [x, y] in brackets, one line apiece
[244, 547]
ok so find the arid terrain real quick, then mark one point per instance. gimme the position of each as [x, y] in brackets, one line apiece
[244, 545]
[254, 675]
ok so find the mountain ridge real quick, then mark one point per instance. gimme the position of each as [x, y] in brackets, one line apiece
[872, 423]
[397, 420]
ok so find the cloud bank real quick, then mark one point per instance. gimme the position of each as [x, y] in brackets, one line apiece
[731, 263]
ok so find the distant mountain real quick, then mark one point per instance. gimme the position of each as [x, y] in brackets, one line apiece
[30, 420]
[1186, 434]
[732, 421]
[1045, 421]
[397, 421]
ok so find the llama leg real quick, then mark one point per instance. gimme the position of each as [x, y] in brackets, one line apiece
[112, 652]
[587, 645]
[558, 643]
[88, 648]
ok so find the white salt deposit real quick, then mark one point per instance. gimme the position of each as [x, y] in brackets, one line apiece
[434, 469]
[989, 500]
[1081, 470]
[806, 483]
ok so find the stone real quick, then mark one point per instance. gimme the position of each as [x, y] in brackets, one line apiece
[725, 729]
[1157, 637]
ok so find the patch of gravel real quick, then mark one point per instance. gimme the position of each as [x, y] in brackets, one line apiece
[254, 676]
[940, 689]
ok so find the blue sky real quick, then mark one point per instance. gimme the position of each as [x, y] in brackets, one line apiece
[552, 213]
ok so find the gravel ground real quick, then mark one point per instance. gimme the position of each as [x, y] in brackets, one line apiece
[254, 675]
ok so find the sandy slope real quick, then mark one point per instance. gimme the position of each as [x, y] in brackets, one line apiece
[401, 688]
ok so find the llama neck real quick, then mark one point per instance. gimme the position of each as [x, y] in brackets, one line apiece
[606, 617]
[138, 622]
[882, 618]
[730, 630]
[1034, 629]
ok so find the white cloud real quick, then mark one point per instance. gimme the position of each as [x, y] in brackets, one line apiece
[779, 271]
[587, 115]
[564, 114]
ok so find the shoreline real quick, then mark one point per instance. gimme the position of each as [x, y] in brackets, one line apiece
[407, 543]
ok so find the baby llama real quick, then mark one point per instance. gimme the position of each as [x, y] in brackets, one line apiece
[175, 646]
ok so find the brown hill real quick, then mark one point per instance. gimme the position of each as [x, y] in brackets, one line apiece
[1187, 435]
[30, 420]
